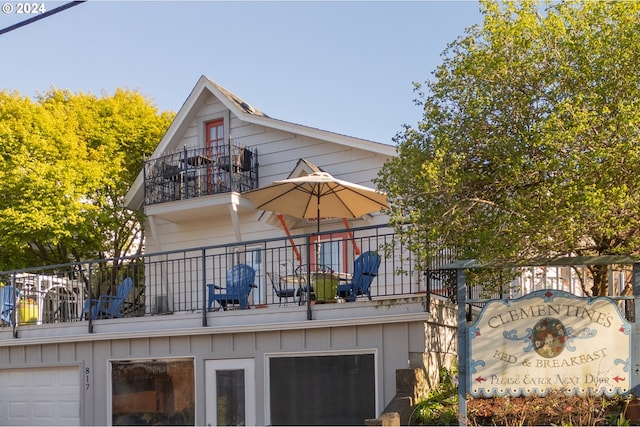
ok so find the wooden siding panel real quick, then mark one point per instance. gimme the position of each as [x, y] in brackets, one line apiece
[17, 355]
[140, 348]
[100, 368]
[215, 229]
[179, 345]
[246, 133]
[351, 165]
[160, 346]
[369, 336]
[317, 339]
[417, 338]
[269, 341]
[209, 103]
[244, 343]
[34, 355]
[71, 352]
[395, 356]
[272, 140]
[343, 337]
[201, 345]
[80, 351]
[191, 140]
[51, 353]
[121, 348]
[222, 344]
[293, 340]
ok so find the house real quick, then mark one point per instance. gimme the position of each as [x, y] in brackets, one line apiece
[169, 352]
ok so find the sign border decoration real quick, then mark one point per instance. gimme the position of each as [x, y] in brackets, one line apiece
[549, 340]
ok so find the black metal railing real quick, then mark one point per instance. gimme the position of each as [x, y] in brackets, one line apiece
[187, 280]
[289, 272]
[196, 172]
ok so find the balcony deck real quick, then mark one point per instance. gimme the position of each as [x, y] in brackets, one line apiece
[198, 172]
[170, 291]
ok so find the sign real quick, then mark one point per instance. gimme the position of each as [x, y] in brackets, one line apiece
[550, 340]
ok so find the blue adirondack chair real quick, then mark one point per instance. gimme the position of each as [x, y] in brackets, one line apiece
[365, 269]
[108, 306]
[240, 280]
[7, 301]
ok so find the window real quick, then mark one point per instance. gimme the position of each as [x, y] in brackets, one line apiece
[214, 137]
[333, 251]
[218, 180]
[322, 390]
[153, 392]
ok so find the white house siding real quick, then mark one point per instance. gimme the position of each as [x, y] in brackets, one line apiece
[392, 341]
[278, 153]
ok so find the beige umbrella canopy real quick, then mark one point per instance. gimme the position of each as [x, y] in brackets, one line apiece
[317, 195]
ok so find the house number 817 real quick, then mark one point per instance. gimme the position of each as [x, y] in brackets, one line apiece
[87, 381]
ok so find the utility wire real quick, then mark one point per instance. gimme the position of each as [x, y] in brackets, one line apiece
[41, 16]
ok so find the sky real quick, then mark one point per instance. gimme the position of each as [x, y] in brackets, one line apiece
[345, 67]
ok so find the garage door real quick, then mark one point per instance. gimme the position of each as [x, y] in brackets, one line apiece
[43, 396]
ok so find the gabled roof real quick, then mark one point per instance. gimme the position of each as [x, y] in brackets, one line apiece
[302, 167]
[249, 114]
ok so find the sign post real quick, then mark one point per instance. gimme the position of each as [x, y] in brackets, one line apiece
[463, 359]
[635, 337]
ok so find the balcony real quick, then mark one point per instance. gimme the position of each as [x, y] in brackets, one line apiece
[178, 284]
[177, 289]
[197, 172]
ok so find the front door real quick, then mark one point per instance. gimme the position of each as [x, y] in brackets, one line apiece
[230, 392]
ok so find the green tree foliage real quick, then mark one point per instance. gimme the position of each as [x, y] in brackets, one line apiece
[529, 145]
[66, 163]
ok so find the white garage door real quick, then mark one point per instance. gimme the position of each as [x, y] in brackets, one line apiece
[42, 397]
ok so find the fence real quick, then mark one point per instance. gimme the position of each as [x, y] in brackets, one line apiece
[184, 280]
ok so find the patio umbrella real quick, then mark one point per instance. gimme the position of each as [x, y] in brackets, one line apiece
[315, 196]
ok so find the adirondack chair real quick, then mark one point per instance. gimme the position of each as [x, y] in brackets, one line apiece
[365, 269]
[240, 280]
[108, 306]
[7, 294]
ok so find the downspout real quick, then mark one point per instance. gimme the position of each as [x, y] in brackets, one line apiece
[163, 273]
[233, 212]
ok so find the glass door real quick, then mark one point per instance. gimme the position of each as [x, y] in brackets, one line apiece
[230, 392]
[332, 251]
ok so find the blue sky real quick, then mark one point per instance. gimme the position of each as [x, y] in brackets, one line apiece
[341, 66]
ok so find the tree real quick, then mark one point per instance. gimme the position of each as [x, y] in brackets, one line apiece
[529, 145]
[66, 163]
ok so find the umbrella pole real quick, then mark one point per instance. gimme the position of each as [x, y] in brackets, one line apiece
[318, 235]
[309, 316]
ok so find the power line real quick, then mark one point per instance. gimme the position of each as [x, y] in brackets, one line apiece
[41, 16]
